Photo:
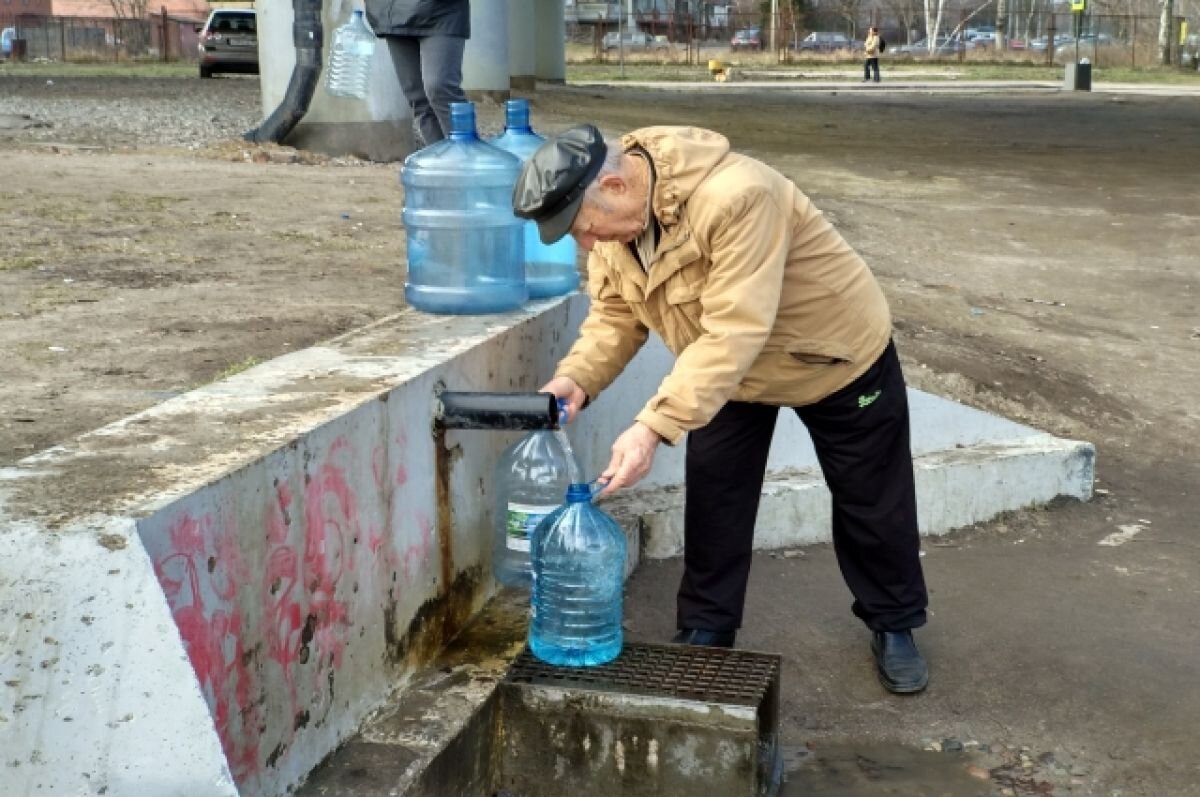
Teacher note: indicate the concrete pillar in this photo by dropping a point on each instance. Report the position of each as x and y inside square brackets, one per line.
[522, 53]
[485, 62]
[378, 127]
[551, 41]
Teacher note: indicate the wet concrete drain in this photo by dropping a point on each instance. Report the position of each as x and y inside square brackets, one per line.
[942, 769]
[849, 770]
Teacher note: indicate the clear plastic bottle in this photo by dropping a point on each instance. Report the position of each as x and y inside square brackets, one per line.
[350, 58]
[466, 253]
[549, 268]
[531, 478]
[578, 573]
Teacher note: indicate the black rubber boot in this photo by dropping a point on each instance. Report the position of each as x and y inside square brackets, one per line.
[902, 668]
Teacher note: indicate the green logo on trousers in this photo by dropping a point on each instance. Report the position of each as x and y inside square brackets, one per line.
[868, 400]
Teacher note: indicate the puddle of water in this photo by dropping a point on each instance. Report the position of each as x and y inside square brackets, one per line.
[874, 770]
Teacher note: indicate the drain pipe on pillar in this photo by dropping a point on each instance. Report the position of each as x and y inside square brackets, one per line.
[308, 38]
[577, 552]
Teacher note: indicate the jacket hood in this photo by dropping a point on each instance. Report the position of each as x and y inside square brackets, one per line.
[683, 157]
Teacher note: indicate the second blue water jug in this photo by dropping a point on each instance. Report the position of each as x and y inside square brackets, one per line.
[549, 268]
[466, 251]
[578, 562]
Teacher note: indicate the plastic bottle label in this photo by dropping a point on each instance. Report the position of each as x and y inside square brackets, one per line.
[522, 520]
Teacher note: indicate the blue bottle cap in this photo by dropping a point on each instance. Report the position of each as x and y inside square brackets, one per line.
[579, 493]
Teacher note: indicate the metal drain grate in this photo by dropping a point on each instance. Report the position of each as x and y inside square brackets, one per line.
[712, 675]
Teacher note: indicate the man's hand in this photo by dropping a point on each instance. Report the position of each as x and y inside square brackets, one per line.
[632, 456]
[564, 387]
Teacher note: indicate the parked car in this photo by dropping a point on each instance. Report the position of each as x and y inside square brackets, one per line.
[1090, 44]
[1189, 53]
[229, 42]
[6, 42]
[635, 40]
[747, 39]
[824, 42]
[944, 45]
[1042, 42]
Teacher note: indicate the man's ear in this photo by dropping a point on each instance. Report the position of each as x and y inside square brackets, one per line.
[614, 183]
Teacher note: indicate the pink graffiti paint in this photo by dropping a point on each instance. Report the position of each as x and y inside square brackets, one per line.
[415, 553]
[378, 466]
[331, 515]
[282, 611]
[204, 559]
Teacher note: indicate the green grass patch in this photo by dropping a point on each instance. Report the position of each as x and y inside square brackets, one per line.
[148, 69]
[236, 368]
[589, 72]
[19, 262]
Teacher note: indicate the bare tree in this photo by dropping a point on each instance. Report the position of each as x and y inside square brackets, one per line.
[849, 10]
[129, 9]
[130, 25]
[1165, 30]
[933, 21]
[906, 13]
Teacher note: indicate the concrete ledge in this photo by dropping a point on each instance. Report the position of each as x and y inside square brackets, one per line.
[955, 487]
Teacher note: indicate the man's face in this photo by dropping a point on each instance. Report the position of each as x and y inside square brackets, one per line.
[614, 213]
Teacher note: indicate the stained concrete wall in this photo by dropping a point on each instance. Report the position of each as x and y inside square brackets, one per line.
[218, 590]
[280, 532]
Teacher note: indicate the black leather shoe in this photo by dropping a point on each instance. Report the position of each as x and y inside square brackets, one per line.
[902, 668]
[706, 639]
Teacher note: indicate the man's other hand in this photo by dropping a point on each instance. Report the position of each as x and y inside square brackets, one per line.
[564, 387]
[632, 457]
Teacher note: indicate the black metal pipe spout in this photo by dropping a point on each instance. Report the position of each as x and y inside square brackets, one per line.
[496, 411]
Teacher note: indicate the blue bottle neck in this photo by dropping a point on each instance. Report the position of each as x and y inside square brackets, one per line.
[516, 116]
[462, 122]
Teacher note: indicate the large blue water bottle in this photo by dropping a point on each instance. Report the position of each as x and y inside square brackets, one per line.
[578, 563]
[465, 246]
[549, 268]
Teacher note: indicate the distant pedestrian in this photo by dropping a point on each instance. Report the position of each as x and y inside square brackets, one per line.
[873, 48]
[426, 39]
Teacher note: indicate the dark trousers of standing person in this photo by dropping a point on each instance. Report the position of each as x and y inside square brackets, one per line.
[871, 65]
[430, 72]
[861, 438]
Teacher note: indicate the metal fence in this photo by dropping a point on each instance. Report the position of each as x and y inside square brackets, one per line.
[82, 39]
[1045, 38]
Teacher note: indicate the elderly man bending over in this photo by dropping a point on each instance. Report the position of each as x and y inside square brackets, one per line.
[764, 306]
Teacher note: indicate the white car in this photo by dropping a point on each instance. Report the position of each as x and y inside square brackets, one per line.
[635, 40]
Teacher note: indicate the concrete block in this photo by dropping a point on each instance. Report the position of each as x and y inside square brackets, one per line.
[955, 487]
[99, 695]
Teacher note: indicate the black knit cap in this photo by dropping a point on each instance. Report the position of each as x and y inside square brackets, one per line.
[550, 188]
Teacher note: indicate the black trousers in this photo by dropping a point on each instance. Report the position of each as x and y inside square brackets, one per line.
[860, 435]
[868, 65]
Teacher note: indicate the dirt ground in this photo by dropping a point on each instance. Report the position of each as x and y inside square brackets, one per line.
[1042, 256]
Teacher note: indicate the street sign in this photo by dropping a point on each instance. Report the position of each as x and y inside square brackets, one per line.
[1078, 5]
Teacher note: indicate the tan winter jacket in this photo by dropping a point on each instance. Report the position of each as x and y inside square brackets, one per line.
[871, 46]
[759, 298]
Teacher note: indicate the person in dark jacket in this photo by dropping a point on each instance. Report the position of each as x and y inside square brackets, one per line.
[426, 39]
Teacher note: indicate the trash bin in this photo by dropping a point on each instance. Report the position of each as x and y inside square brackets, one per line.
[1079, 76]
[19, 49]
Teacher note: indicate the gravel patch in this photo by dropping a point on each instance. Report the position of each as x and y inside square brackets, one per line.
[145, 112]
[130, 112]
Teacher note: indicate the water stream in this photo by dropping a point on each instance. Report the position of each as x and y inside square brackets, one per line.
[573, 471]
